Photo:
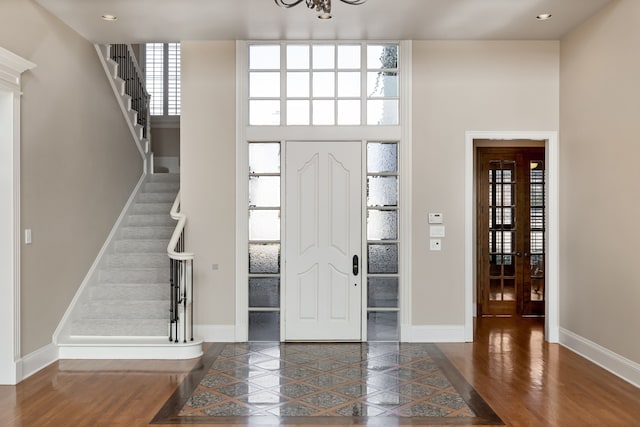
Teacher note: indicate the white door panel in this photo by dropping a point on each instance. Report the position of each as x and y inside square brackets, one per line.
[322, 234]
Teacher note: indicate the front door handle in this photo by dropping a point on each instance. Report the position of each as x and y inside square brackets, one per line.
[356, 265]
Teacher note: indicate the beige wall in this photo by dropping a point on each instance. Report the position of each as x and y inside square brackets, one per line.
[208, 158]
[165, 142]
[600, 205]
[79, 163]
[463, 86]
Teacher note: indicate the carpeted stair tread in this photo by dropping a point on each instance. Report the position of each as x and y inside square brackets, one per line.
[150, 220]
[156, 197]
[164, 177]
[141, 246]
[161, 187]
[131, 291]
[123, 309]
[138, 260]
[150, 232]
[134, 275]
[151, 208]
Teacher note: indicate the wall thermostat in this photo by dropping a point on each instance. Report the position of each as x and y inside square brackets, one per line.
[435, 218]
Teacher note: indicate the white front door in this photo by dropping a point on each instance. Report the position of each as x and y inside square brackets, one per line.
[323, 216]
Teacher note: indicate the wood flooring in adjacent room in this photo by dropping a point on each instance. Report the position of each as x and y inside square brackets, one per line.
[526, 381]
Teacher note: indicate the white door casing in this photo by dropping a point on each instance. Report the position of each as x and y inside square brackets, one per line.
[323, 233]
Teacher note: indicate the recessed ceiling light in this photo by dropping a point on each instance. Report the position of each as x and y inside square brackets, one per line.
[544, 16]
[108, 17]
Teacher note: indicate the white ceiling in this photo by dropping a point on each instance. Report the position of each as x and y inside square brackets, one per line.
[174, 20]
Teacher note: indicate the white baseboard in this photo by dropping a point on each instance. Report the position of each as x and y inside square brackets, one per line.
[158, 348]
[436, 333]
[36, 361]
[215, 333]
[618, 365]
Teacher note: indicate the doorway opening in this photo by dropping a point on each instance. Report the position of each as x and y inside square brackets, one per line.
[510, 230]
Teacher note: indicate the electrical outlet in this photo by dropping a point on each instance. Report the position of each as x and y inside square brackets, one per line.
[435, 244]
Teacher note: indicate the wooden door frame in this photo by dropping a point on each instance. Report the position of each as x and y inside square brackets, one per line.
[550, 139]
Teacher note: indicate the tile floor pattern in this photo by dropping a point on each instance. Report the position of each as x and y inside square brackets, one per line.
[266, 380]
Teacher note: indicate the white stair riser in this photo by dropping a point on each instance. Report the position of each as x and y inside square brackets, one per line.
[131, 292]
[138, 260]
[141, 246]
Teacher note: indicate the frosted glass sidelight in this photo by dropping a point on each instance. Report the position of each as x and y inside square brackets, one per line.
[264, 112]
[382, 191]
[383, 112]
[264, 326]
[298, 57]
[264, 292]
[382, 326]
[264, 85]
[382, 157]
[298, 85]
[348, 112]
[382, 258]
[382, 84]
[323, 57]
[264, 157]
[382, 56]
[264, 191]
[382, 225]
[348, 56]
[264, 258]
[264, 225]
[382, 292]
[264, 57]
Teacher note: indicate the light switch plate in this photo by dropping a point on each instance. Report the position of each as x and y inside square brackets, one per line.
[435, 218]
[435, 244]
[436, 231]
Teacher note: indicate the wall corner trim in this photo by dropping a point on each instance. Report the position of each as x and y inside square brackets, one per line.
[618, 365]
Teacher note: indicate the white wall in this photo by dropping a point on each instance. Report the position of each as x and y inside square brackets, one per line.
[600, 128]
[461, 86]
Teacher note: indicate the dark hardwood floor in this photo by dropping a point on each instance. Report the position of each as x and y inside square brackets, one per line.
[526, 381]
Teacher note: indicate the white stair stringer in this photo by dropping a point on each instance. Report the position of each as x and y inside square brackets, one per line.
[123, 311]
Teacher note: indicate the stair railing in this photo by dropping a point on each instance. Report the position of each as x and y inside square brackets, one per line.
[130, 72]
[181, 280]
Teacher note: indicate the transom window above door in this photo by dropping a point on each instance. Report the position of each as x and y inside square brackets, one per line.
[324, 84]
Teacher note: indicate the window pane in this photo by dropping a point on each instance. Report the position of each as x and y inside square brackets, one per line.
[264, 258]
[298, 57]
[264, 57]
[173, 79]
[382, 225]
[264, 191]
[154, 76]
[348, 112]
[382, 112]
[298, 85]
[264, 292]
[348, 56]
[382, 56]
[382, 258]
[298, 112]
[382, 157]
[264, 113]
[324, 85]
[264, 225]
[382, 84]
[382, 326]
[382, 191]
[264, 326]
[264, 157]
[323, 57]
[264, 85]
[349, 84]
[323, 112]
[382, 292]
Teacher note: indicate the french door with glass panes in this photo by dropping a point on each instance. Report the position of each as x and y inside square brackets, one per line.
[511, 231]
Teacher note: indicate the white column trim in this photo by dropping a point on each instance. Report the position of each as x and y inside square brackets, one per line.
[11, 68]
[552, 320]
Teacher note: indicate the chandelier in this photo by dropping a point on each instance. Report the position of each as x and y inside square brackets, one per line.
[323, 7]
